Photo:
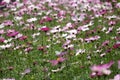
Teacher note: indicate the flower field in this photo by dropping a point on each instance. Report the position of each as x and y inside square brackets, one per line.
[60, 40]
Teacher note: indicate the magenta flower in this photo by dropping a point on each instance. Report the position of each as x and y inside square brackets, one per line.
[57, 61]
[2, 39]
[12, 33]
[45, 29]
[8, 23]
[102, 69]
[48, 19]
[23, 37]
[116, 45]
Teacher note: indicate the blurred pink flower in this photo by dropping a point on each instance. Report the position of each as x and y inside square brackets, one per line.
[2, 39]
[26, 71]
[118, 64]
[116, 45]
[102, 69]
[116, 77]
[57, 61]
[12, 33]
[45, 29]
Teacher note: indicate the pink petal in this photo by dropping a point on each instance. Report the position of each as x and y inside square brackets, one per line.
[54, 62]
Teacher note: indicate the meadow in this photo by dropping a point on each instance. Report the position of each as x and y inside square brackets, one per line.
[60, 40]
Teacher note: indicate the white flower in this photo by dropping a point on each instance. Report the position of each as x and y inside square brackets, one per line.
[9, 40]
[32, 19]
[72, 31]
[5, 46]
[18, 18]
[2, 26]
[80, 51]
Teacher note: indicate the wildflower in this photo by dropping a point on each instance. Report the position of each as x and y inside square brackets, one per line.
[57, 61]
[23, 37]
[12, 33]
[2, 39]
[116, 77]
[116, 45]
[102, 69]
[8, 79]
[45, 29]
[26, 71]
[32, 20]
[28, 49]
[118, 64]
[80, 51]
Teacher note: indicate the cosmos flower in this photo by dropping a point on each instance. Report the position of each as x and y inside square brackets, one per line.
[26, 71]
[116, 45]
[12, 33]
[80, 51]
[102, 69]
[32, 20]
[2, 39]
[45, 29]
[57, 61]
[118, 64]
[116, 77]
[9, 79]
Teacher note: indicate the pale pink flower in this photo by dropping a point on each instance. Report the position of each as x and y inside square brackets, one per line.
[102, 69]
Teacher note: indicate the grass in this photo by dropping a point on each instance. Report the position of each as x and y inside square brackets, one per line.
[14, 62]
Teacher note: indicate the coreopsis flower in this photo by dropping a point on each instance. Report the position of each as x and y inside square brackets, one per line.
[102, 69]
[57, 61]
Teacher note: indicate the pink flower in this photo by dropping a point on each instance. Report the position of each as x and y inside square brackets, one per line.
[28, 49]
[116, 45]
[45, 29]
[23, 37]
[26, 71]
[2, 31]
[102, 69]
[2, 39]
[48, 19]
[111, 23]
[12, 33]
[57, 61]
[118, 64]
[8, 23]
[116, 77]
